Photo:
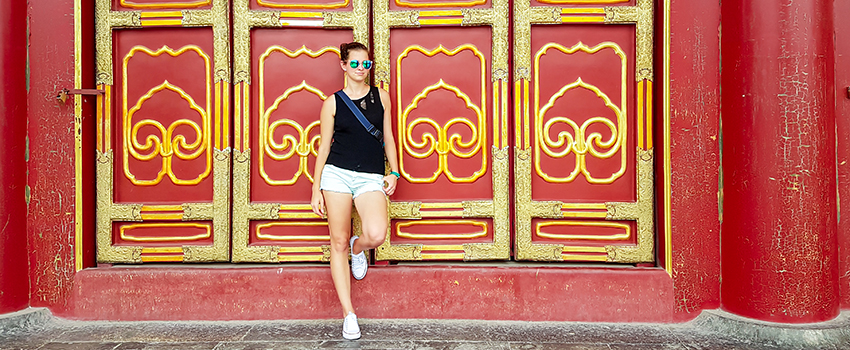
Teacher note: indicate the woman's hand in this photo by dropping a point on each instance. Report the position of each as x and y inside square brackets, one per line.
[318, 202]
[390, 181]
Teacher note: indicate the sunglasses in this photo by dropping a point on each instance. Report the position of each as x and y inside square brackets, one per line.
[367, 64]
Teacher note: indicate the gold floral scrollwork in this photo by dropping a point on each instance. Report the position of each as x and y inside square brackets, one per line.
[405, 210]
[399, 252]
[125, 19]
[326, 253]
[443, 144]
[301, 144]
[106, 211]
[621, 14]
[544, 15]
[579, 141]
[197, 18]
[244, 211]
[264, 19]
[197, 211]
[440, 142]
[526, 209]
[168, 144]
[333, 19]
[640, 211]
[644, 41]
[103, 42]
[473, 17]
[473, 209]
[546, 209]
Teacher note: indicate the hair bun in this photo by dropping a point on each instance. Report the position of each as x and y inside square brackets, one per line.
[346, 48]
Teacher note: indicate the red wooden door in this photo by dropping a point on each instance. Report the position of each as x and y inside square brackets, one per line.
[445, 64]
[583, 125]
[561, 118]
[286, 54]
[163, 163]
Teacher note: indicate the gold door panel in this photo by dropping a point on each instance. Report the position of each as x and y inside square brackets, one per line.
[445, 64]
[163, 159]
[583, 131]
[286, 56]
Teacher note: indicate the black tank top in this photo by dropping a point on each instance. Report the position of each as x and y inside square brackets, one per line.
[353, 147]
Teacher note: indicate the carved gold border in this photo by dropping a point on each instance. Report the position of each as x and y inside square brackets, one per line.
[78, 137]
[626, 229]
[640, 211]
[666, 166]
[122, 232]
[245, 211]
[218, 211]
[403, 3]
[330, 6]
[165, 5]
[581, 2]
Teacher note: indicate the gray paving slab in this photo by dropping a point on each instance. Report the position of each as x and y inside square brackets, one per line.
[37, 329]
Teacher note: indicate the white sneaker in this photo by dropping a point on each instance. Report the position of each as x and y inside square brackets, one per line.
[350, 328]
[358, 261]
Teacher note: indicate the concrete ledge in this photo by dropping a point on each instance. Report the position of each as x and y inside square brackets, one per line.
[833, 333]
[24, 320]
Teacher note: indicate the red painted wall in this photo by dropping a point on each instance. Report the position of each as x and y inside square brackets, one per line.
[695, 153]
[842, 112]
[50, 216]
[14, 291]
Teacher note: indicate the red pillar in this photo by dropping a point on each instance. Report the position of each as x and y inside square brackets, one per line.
[778, 239]
[14, 282]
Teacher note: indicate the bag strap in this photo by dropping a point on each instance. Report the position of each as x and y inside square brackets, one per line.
[360, 117]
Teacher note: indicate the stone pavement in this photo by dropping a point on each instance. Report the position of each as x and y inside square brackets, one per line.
[38, 329]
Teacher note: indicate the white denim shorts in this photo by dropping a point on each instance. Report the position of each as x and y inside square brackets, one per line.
[336, 179]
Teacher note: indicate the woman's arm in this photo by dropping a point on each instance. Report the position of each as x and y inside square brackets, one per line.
[326, 118]
[389, 143]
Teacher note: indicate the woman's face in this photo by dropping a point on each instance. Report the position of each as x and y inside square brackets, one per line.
[357, 74]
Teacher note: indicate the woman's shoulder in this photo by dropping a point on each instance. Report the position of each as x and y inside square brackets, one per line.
[330, 103]
[385, 96]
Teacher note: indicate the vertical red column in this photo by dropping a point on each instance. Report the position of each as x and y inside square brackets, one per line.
[778, 240]
[14, 282]
[842, 108]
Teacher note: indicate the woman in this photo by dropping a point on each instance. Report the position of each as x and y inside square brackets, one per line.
[350, 166]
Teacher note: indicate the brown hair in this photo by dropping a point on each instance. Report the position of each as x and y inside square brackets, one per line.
[345, 48]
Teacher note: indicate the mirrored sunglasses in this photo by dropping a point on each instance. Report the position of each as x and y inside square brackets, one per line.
[367, 64]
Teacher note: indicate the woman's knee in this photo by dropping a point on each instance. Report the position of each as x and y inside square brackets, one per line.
[339, 244]
[375, 235]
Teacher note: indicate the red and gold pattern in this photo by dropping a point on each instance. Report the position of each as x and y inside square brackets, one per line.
[163, 165]
[581, 127]
[283, 64]
[449, 93]
[583, 162]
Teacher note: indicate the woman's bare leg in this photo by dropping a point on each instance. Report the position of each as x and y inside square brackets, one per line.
[372, 207]
[339, 223]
